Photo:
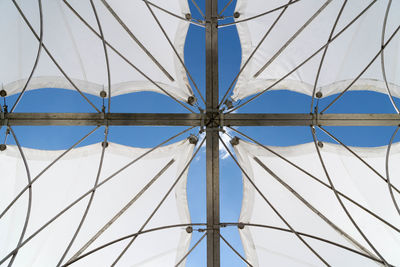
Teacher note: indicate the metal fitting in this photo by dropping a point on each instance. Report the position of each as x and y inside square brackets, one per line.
[3, 93]
[104, 144]
[189, 229]
[234, 141]
[3, 147]
[320, 144]
[240, 225]
[188, 16]
[236, 15]
[193, 139]
[318, 94]
[191, 100]
[103, 94]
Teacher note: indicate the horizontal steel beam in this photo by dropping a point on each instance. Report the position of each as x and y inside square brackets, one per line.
[188, 119]
[140, 119]
[298, 119]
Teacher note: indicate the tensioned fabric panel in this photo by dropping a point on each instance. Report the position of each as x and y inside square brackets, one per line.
[73, 176]
[317, 212]
[345, 58]
[80, 53]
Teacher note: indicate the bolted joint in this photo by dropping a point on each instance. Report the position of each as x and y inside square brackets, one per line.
[188, 16]
[3, 93]
[189, 229]
[104, 144]
[318, 94]
[103, 94]
[212, 119]
[240, 225]
[320, 144]
[3, 147]
[234, 141]
[193, 139]
[236, 15]
[192, 100]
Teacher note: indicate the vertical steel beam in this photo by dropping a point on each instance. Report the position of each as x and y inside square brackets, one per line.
[212, 131]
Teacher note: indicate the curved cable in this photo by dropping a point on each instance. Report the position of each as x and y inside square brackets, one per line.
[105, 55]
[387, 170]
[122, 211]
[254, 51]
[324, 54]
[175, 51]
[88, 192]
[357, 156]
[28, 211]
[104, 145]
[124, 58]
[44, 170]
[271, 206]
[309, 236]
[37, 57]
[319, 181]
[51, 56]
[259, 15]
[383, 58]
[306, 60]
[130, 236]
[159, 204]
[340, 200]
[363, 71]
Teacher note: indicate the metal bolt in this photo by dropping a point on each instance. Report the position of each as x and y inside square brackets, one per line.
[104, 144]
[320, 144]
[193, 139]
[192, 100]
[188, 16]
[318, 94]
[240, 225]
[189, 229]
[236, 15]
[103, 94]
[234, 141]
[3, 147]
[3, 93]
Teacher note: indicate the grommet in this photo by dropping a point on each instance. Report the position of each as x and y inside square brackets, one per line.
[318, 94]
[192, 100]
[240, 225]
[320, 144]
[189, 229]
[3, 93]
[188, 16]
[104, 144]
[103, 94]
[193, 139]
[236, 15]
[3, 147]
[234, 141]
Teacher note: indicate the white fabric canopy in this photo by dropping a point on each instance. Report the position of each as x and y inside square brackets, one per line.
[79, 52]
[274, 247]
[75, 175]
[345, 58]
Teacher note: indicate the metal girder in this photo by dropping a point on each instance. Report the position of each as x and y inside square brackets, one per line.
[212, 120]
[140, 119]
[212, 135]
[298, 119]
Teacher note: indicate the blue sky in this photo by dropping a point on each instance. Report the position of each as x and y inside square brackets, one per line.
[50, 100]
